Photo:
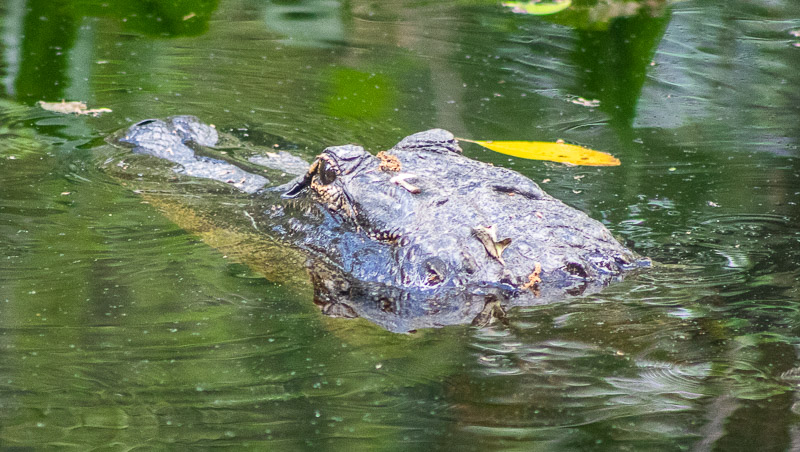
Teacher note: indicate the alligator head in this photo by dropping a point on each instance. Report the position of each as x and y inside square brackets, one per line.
[446, 223]
[415, 236]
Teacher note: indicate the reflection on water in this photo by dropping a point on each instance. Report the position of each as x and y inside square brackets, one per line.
[120, 329]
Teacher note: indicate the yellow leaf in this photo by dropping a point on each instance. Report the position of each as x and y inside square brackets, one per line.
[538, 8]
[555, 152]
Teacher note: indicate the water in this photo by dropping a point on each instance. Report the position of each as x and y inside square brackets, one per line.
[127, 324]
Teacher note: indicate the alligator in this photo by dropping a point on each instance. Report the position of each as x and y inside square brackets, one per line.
[416, 236]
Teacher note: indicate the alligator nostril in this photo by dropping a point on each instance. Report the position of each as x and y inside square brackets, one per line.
[145, 122]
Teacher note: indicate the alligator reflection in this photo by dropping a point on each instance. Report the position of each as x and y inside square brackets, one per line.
[402, 310]
[419, 236]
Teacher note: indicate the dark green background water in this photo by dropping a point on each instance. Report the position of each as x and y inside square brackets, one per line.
[119, 330]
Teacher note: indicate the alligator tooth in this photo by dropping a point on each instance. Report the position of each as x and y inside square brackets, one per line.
[488, 237]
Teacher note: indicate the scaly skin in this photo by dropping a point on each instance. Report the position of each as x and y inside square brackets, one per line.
[420, 236]
[168, 140]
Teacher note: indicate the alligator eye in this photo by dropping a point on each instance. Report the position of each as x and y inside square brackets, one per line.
[326, 173]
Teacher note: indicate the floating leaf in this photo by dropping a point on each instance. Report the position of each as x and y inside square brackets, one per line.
[555, 152]
[538, 8]
[72, 107]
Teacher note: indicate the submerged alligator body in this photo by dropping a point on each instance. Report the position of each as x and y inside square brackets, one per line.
[417, 236]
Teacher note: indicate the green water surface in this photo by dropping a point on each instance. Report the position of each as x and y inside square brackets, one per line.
[120, 330]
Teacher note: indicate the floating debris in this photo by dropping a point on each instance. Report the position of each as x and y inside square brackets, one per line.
[585, 102]
[74, 107]
[389, 162]
[400, 180]
[534, 279]
[538, 8]
[488, 237]
[556, 152]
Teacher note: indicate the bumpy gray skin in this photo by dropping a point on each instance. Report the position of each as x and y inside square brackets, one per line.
[408, 254]
[168, 140]
[457, 194]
